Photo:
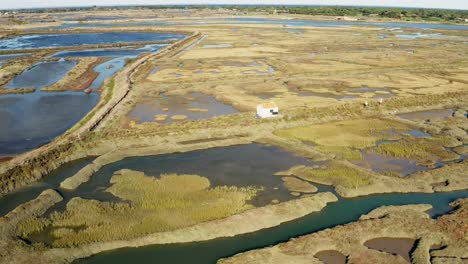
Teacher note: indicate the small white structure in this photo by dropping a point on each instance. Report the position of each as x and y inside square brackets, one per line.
[267, 110]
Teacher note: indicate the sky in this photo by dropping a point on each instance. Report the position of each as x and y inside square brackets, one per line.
[449, 4]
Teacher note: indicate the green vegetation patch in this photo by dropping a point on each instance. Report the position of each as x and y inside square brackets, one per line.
[341, 152]
[346, 138]
[423, 150]
[151, 205]
[333, 173]
[296, 185]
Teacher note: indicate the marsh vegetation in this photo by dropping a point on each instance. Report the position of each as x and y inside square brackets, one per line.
[149, 205]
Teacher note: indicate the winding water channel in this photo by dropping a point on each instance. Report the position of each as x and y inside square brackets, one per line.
[242, 165]
[208, 252]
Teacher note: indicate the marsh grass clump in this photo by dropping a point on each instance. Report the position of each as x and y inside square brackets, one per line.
[297, 185]
[150, 205]
[422, 149]
[359, 134]
[341, 152]
[333, 173]
[346, 138]
[31, 225]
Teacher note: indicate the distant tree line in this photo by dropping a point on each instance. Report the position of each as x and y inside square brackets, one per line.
[396, 13]
[407, 14]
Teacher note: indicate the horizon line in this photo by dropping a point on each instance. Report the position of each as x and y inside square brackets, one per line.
[169, 5]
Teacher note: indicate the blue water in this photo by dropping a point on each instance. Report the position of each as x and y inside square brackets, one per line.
[67, 40]
[42, 74]
[31, 120]
[12, 56]
[236, 165]
[86, 25]
[208, 252]
[115, 52]
[418, 133]
[5, 58]
[313, 23]
[108, 69]
[111, 67]
[418, 35]
[229, 166]
[269, 21]
[91, 18]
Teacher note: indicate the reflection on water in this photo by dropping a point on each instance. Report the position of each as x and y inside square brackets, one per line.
[42, 74]
[270, 21]
[208, 252]
[108, 69]
[382, 163]
[68, 40]
[195, 106]
[397, 246]
[331, 257]
[115, 52]
[418, 35]
[32, 120]
[422, 115]
[243, 165]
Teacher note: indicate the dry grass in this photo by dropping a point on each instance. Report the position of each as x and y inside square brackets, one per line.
[297, 185]
[345, 139]
[178, 117]
[359, 134]
[153, 205]
[341, 152]
[423, 150]
[333, 173]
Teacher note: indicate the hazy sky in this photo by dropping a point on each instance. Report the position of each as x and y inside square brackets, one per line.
[452, 4]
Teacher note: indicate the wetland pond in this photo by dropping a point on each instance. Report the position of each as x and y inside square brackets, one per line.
[118, 59]
[269, 21]
[78, 39]
[193, 106]
[42, 74]
[429, 114]
[208, 252]
[241, 165]
[32, 120]
[5, 58]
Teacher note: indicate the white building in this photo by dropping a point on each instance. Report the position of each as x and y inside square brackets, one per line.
[267, 110]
